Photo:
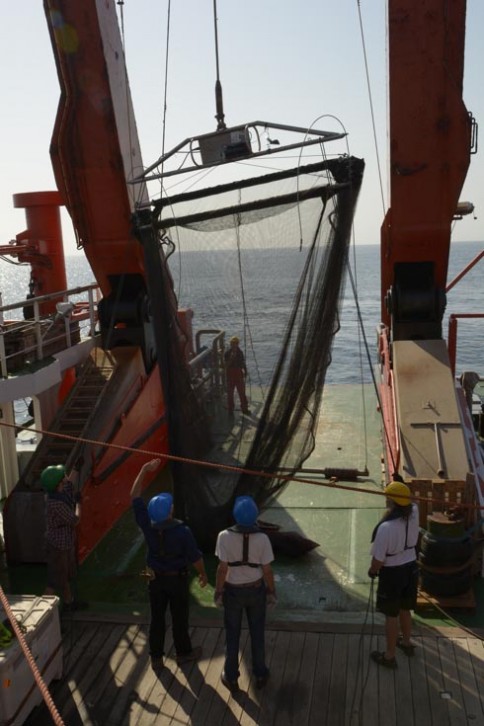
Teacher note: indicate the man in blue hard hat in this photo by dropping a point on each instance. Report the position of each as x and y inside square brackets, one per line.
[244, 582]
[171, 549]
[63, 513]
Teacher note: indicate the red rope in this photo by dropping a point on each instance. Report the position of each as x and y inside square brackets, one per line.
[228, 467]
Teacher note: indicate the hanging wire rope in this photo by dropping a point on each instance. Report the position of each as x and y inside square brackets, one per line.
[372, 108]
[126, 86]
[368, 354]
[165, 91]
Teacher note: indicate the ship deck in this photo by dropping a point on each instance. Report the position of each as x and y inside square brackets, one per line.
[318, 675]
[320, 669]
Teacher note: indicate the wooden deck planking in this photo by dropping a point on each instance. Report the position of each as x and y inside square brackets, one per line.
[307, 676]
[367, 706]
[318, 678]
[354, 678]
[337, 684]
[469, 685]
[420, 701]
[290, 699]
[452, 684]
[274, 690]
[476, 653]
[322, 674]
[404, 691]
[435, 680]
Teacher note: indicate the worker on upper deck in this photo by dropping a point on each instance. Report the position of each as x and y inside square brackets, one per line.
[394, 560]
[236, 372]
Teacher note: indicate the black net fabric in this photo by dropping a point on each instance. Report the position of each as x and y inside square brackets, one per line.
[304, 215]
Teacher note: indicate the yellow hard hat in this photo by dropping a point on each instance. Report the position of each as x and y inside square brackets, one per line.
[235, 339]
[398, 493]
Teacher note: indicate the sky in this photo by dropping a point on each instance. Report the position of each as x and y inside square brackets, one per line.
[286, 61]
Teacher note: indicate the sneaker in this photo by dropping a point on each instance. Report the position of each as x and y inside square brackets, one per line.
[194, 654]
[156, 663]
[379, 658]
[233, 686]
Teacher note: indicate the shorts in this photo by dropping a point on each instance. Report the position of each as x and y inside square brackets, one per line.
[397, 589]
[61, 566]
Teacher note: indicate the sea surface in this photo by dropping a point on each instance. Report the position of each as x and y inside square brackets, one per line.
[251, 295]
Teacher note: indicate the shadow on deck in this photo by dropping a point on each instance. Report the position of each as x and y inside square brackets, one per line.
[320, 674]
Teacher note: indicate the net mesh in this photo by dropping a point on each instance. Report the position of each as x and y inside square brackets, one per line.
[231, 242]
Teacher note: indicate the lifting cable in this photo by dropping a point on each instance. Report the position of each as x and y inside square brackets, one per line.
[361, 343]
[382, 196]
[165, 92]
[127, 93]
[360, 329]
[372, 373]
[372, 110]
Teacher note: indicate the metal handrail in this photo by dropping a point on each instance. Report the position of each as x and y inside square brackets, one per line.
[37, 336]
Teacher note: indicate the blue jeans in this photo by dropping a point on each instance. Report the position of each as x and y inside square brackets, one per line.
[172, 591]
[253, 601]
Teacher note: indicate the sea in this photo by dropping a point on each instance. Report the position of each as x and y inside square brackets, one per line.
[251, 295]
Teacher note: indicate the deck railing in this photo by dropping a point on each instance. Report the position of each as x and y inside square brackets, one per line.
[27, 337]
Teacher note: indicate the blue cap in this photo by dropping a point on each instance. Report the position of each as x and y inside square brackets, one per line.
[159, 507]
[245, 511]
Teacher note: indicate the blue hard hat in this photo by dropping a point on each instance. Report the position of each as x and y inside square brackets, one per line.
[159, 508]
[245, 511]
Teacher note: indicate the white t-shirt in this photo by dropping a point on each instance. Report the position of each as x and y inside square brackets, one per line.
[229, 548]
[390, 540]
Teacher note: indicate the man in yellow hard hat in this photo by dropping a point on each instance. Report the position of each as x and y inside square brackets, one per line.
[394, 560]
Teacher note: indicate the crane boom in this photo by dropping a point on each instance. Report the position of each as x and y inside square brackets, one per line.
[430, 146]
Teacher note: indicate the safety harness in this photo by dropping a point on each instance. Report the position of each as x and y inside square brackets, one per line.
[396, 513]
[245, 532]
[161, 528]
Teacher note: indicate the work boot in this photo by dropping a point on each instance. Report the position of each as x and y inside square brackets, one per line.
[233, 686]
[157, 663]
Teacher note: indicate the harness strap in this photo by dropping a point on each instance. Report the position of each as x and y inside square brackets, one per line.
[245, 553]
[407, 546]
[161, 529]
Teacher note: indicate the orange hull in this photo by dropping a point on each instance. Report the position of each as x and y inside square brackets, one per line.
[106, 496]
